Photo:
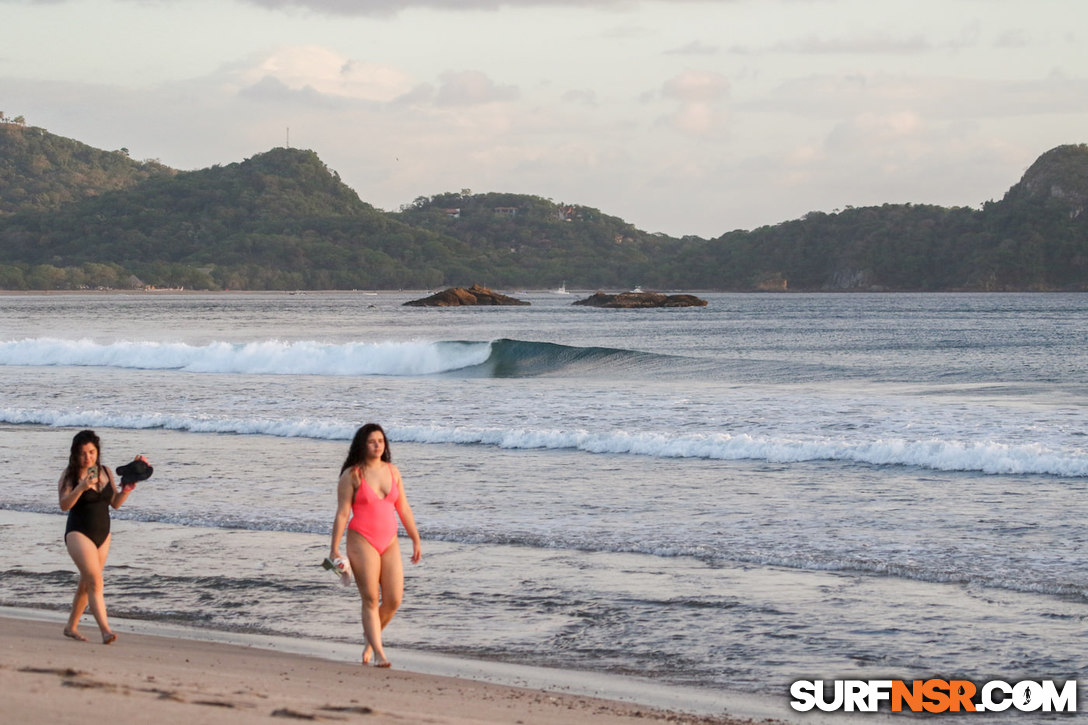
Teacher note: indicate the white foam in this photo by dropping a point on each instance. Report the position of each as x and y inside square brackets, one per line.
[985, 456]
[199, 424]
[269, 357]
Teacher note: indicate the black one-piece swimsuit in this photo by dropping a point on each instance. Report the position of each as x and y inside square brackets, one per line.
[90, 515]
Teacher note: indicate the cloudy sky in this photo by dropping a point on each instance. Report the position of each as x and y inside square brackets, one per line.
[681, 116]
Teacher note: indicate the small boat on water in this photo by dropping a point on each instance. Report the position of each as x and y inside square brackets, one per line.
[561, 290]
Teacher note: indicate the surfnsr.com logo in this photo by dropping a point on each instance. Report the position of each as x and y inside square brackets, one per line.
[934, 696]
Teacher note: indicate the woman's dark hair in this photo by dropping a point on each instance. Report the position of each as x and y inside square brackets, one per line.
[81, 439]
[357, 451]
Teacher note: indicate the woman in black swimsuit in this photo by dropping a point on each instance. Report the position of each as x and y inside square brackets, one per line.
[87, 490]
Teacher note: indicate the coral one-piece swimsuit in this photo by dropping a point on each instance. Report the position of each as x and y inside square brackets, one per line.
[375, 517]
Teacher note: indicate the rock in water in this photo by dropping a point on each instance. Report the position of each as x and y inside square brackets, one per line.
[459, 296]
[637, 300]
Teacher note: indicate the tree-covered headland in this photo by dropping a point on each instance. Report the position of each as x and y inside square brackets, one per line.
[76, 217]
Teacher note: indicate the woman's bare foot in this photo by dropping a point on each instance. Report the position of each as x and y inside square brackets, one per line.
[72, 634]
[368, 658]
[108, 638]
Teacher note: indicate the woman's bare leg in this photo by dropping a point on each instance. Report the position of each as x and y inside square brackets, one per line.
[90, 561]
[392, 583]
[366, 565]
[79, 605]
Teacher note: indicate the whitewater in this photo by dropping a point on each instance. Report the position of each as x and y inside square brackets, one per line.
[731, 497]
[271, 357]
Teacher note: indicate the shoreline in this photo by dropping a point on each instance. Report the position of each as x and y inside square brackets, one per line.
[177, 674]
[309, 640]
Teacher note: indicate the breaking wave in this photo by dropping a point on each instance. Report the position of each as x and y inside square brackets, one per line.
[984, 456]
[497, 358]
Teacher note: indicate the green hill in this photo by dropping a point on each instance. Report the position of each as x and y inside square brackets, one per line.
[40, 171]
[1035, 239]
[529, 241]
[280, 220]
[72, 216]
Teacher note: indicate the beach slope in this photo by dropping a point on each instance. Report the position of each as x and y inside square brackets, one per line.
[168, 681]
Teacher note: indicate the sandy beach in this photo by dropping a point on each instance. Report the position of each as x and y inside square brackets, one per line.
[168, 680]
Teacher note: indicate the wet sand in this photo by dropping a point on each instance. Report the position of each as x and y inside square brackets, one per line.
[168, 680]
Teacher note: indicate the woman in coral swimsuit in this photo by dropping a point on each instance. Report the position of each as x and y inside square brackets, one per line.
[87, 490]
[371, 493]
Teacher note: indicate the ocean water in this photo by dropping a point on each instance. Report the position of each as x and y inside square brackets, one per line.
[770, 488]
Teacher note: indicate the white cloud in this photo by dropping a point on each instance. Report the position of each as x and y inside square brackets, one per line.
[876, 128]
[839, 96]
[874, 44]
[392, 7]
[323, 72]
[1015, 38]
[695, 47]
[586, 97]
[696, 87]
[469, 88]
[698, 119]
[701, 96]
